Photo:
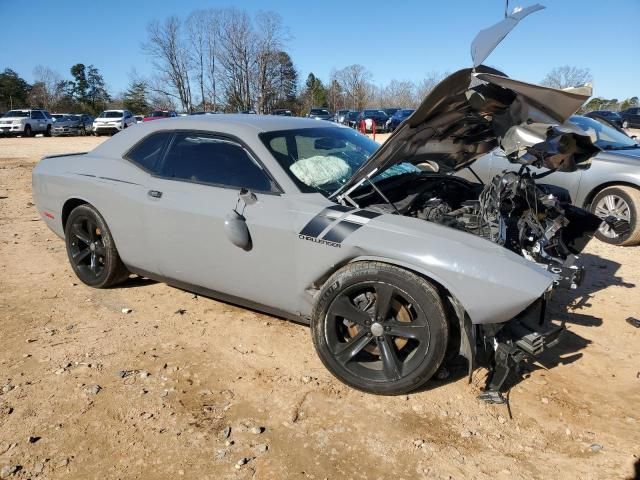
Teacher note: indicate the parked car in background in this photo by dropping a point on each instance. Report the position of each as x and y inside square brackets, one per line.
[389, 112]
[248, 112]
[351, 119]
[58, 116]
[398, 117]
[139, 118]
[283, 112]
[610, 188]
[112, 121]
[320, 114]
[26, 123]
[158, 115]
[370, 116]
[73, 124]
[340, 115]
[612, 118]
[631, 117]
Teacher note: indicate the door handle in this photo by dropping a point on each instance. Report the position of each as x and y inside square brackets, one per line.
[154, 193]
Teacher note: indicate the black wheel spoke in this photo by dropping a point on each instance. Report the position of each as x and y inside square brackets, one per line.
[92, 230]
[80, 234]
[390, 362]
[406, 330]
[343, 307]
[353, 347]
[79, 256]
[100, 250]
[384, 295]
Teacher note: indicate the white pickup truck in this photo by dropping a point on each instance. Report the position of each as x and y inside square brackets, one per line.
[26, 123]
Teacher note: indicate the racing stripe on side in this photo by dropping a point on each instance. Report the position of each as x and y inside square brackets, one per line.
[349, 224]
[322, 220]
[341, 231]
[367, 214]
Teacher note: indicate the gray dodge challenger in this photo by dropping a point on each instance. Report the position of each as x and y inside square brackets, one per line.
[394, 261]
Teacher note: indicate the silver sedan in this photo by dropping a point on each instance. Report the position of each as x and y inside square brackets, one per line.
[610, 188]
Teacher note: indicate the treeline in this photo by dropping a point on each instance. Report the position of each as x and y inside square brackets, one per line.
[227, 60]
[83, 91]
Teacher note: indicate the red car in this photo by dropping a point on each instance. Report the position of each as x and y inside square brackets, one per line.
[158, 114]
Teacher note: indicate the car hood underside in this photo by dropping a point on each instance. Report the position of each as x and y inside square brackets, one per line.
[473, 111]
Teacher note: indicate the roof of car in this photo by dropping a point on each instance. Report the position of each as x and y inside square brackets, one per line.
[243, 126]
[261, 123]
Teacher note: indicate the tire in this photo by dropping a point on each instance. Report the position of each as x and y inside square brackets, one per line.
[388, 353]
[27, 131]
[91, 250]
[622, 202]
[47, 132]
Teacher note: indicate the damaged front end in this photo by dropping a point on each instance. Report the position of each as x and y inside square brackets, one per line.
[467, 115]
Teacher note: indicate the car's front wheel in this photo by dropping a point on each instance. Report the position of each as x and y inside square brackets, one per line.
[91, 249]
[623, 204]
[379, 328]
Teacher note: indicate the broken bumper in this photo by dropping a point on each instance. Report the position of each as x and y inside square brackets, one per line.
[569, 275]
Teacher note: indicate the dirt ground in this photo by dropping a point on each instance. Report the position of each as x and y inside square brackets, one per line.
[87, 391]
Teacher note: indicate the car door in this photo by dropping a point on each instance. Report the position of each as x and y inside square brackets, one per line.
[39, 122]
[198, 187]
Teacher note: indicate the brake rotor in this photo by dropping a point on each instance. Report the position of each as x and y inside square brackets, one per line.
[400, 313]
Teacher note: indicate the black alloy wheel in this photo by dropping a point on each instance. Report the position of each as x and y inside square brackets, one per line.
[380, 328]
[91, 250]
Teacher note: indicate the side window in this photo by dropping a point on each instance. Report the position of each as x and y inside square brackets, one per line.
[148, 152]
[47, 114]
[208, 159]
[37, 114]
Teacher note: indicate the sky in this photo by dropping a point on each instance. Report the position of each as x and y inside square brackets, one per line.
[401, 39]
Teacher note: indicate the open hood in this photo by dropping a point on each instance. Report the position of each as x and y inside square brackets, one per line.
[475, 110]
[488, 39]
[471, 112]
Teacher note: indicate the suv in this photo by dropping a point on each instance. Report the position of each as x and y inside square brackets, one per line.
[26, 123]
[112, 121]
[631, 117]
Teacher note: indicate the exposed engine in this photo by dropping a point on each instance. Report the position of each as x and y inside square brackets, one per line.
[514, 212]
[535, 221]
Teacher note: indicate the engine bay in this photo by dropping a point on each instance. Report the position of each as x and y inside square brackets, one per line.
[535, 221]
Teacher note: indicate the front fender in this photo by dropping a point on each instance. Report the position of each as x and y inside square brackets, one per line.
[492, 283]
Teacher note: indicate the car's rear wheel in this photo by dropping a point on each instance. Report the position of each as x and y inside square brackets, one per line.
[27, 131]
[47, 132]
[91, 249]
[623, 204]
[379, 328]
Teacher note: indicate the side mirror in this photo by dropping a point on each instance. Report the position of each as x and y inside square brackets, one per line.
[235, 227]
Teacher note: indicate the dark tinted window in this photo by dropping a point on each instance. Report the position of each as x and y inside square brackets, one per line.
[148, 153]
[208, 159]
[37, 114]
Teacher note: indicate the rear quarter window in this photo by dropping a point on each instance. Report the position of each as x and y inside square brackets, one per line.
[148, 152]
